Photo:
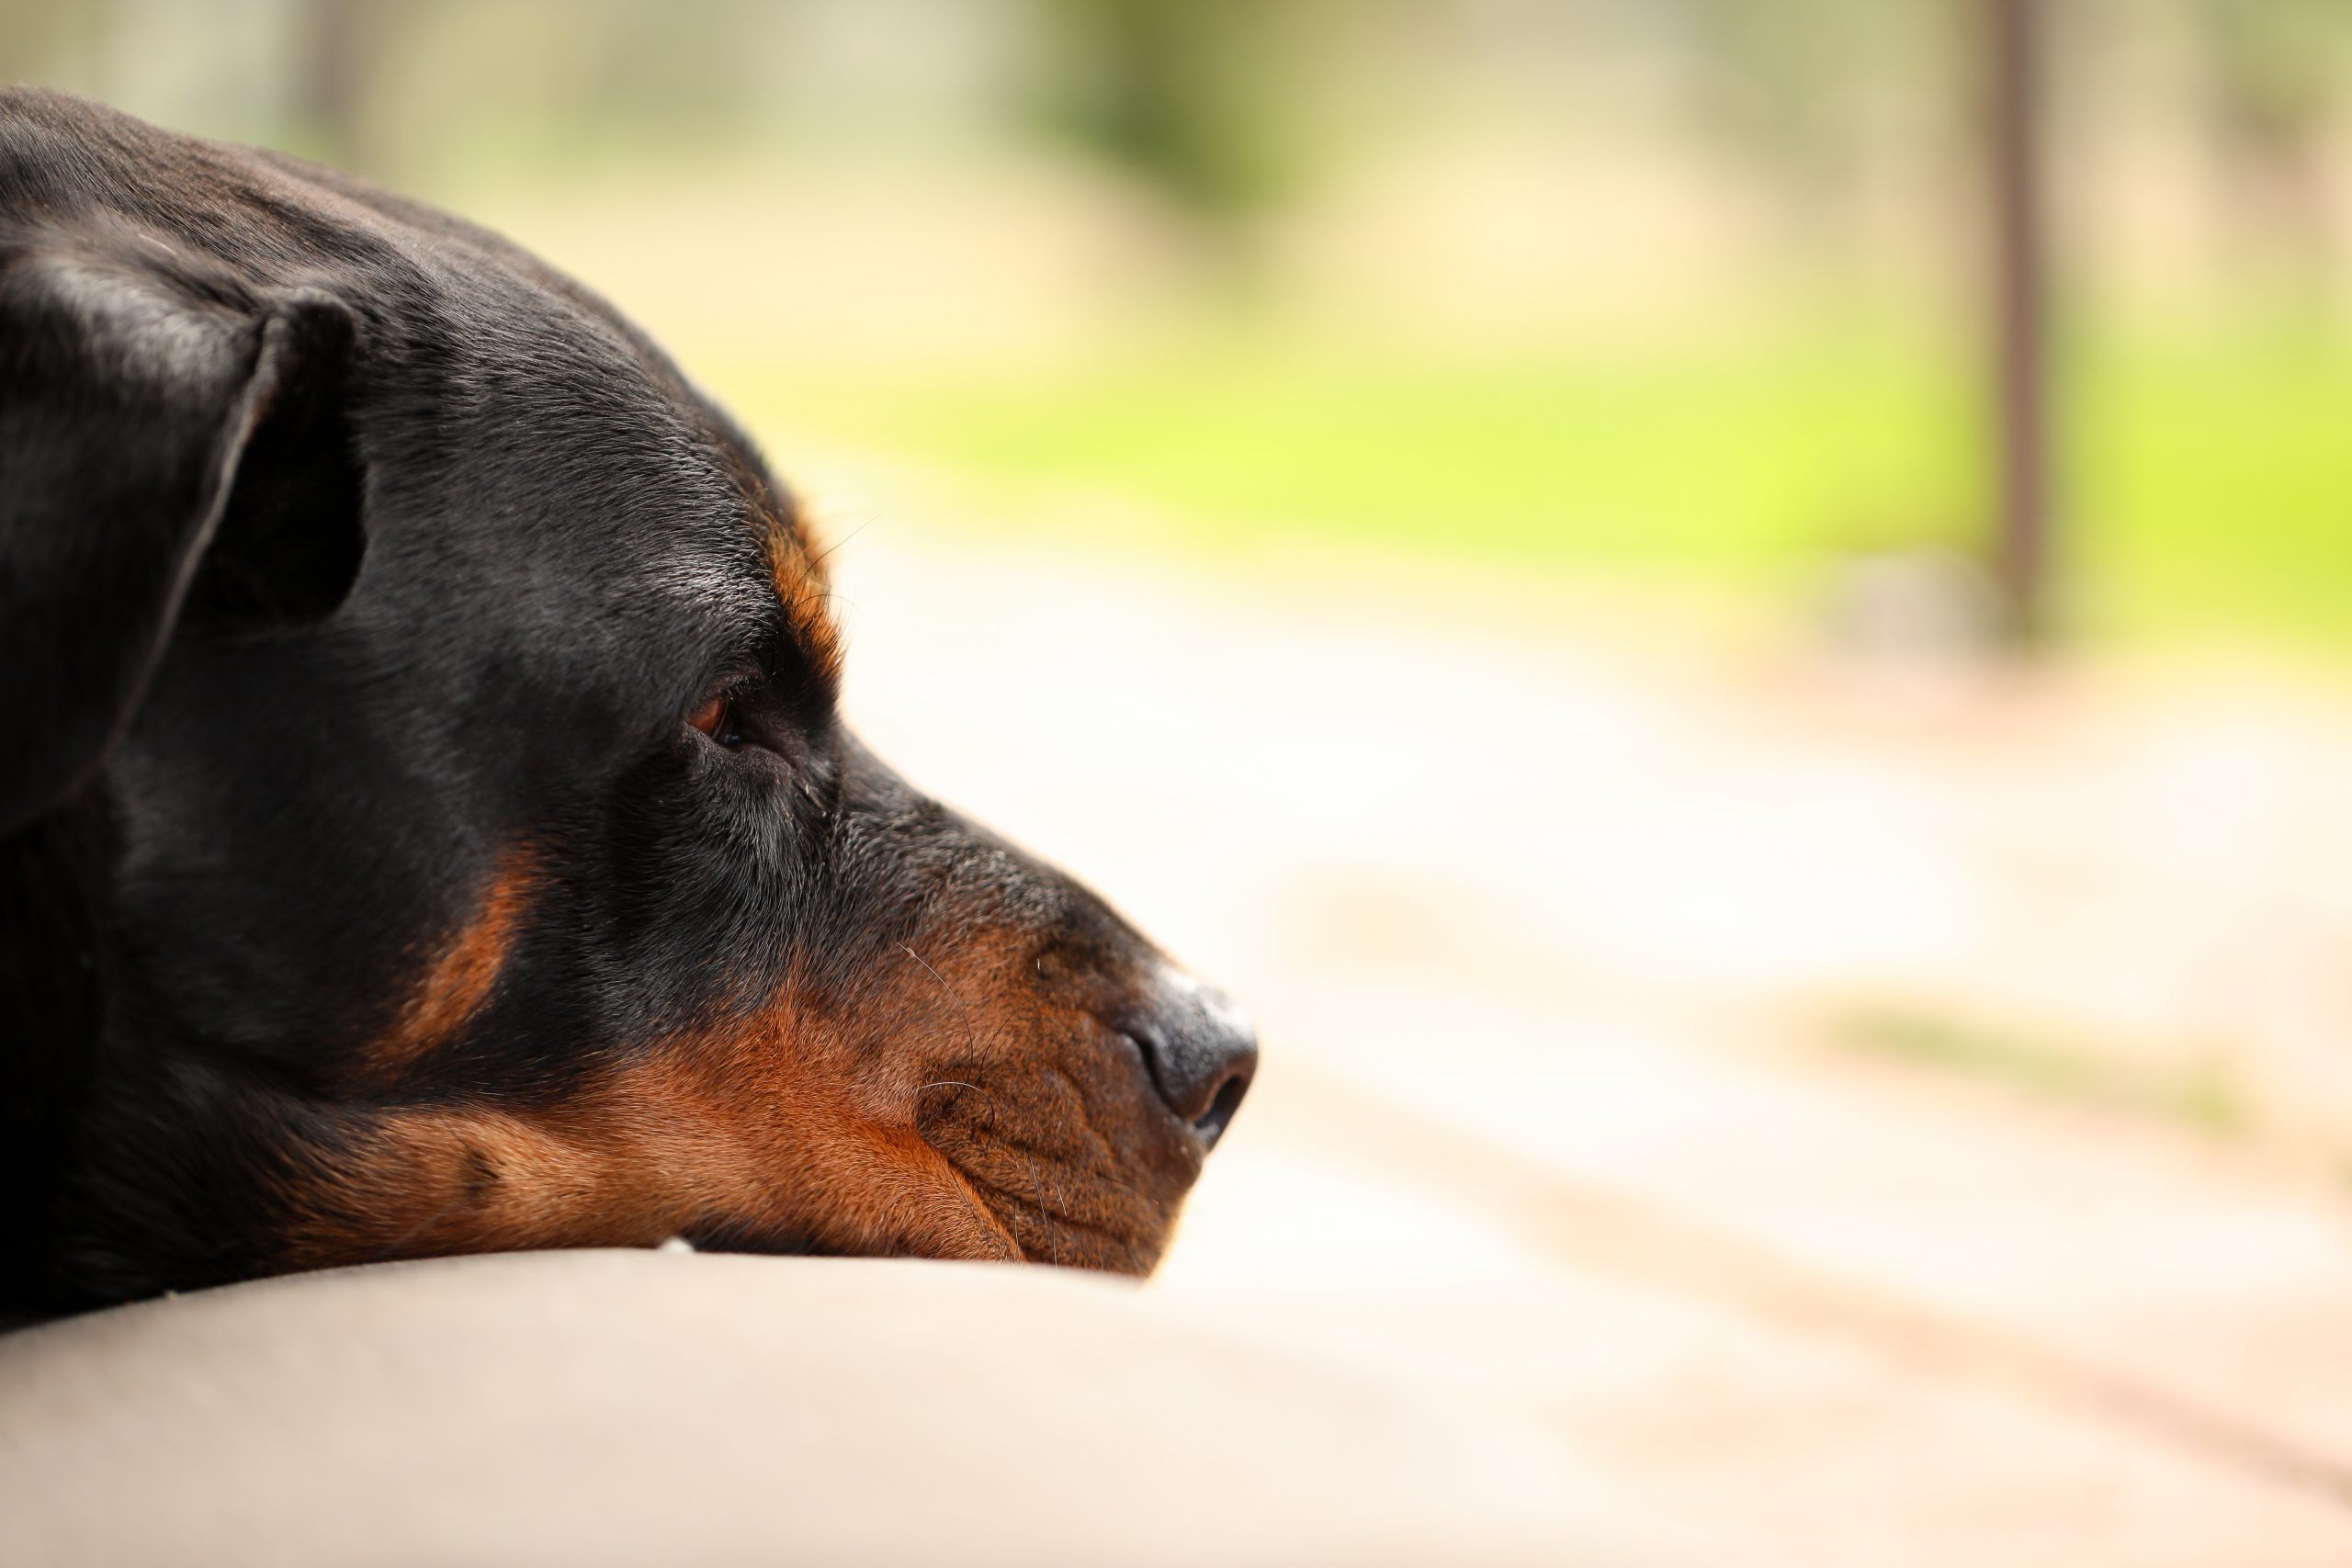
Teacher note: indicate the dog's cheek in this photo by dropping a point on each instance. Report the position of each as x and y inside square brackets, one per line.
[705, 1137]
[455, 979]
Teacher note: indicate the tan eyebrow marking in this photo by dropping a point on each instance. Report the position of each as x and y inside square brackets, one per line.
[795, 564]
[800, 585]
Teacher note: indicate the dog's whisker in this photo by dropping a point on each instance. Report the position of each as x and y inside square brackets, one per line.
[1038, 1194]
[818, 559]
[963, 1012]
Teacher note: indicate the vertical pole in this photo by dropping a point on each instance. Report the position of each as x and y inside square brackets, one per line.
[2022, 550]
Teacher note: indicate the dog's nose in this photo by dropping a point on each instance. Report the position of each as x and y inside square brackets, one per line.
[1201, 1047]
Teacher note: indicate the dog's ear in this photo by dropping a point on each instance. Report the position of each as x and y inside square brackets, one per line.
[170, 450]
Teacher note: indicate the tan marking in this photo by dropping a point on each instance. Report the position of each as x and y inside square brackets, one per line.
[795, 564]
[958, 1114]
[746, 1131]
[461, 977]
[800, 583]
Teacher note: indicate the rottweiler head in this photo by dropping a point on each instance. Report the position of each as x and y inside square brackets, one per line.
[425, 823]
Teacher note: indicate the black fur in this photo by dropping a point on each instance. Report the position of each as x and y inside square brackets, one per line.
[345, 548]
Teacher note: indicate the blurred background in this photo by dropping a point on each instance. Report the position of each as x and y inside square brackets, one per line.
[1733, 618]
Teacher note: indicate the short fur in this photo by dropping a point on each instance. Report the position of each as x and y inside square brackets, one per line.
[378, 874]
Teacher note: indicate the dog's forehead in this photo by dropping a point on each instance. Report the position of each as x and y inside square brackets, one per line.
[791, 561]
[739, 556]
[548, 469]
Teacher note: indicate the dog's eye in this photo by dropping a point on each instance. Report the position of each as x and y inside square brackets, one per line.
[716, 719]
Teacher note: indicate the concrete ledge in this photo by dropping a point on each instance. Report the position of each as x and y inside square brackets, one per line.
[633, 1407]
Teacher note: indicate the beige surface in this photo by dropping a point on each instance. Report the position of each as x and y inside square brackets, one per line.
[619, 1407]
[1541, 924]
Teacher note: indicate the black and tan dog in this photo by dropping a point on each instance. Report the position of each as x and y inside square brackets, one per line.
[424, 822]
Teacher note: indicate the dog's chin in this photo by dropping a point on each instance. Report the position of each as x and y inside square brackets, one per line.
[1045, 1232]
[1042, 1232]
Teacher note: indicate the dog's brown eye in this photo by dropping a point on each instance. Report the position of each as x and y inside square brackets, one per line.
[716, 719]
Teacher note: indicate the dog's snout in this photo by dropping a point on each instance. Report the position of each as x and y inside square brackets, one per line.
[1201, 1049]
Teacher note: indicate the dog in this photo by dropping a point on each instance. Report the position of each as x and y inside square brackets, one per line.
[425, 822]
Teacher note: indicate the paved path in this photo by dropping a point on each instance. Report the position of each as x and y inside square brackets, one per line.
[1545, 934]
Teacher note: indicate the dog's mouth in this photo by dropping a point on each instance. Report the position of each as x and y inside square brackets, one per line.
[1041, 1170]
[1071, 1182]
[729, 1235]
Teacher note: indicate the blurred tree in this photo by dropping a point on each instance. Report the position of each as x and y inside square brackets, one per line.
[1200, 96]
[2015, 71]
[2280, 73]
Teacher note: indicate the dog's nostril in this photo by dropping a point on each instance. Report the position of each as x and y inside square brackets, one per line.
[1201, 1049]
[1228, 1100]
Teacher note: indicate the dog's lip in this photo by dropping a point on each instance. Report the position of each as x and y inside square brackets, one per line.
[724, 1235]
[1190, 1140]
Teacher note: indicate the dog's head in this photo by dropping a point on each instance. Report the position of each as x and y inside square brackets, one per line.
[427, 823]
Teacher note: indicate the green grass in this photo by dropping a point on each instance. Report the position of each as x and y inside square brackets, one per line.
[2214, 482]
[2201, 1097]
[2209, 483]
